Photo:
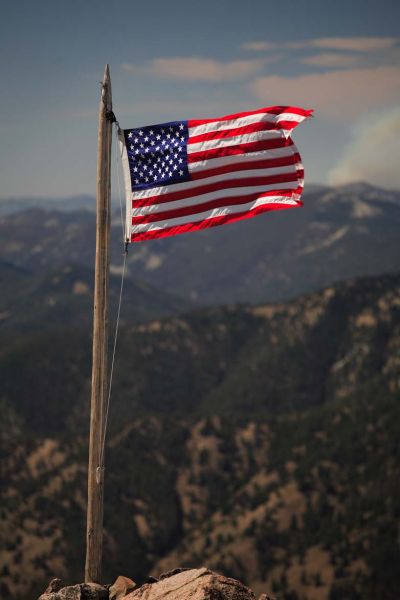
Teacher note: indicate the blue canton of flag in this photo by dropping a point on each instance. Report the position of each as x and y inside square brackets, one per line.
[157, 155]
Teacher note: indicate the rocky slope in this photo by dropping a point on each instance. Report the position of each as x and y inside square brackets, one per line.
[260, 441]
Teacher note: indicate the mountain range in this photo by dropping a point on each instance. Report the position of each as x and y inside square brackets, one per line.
[250, 432]
[339, 234]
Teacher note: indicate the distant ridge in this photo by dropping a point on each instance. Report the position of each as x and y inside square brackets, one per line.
[340, 233]
[9, 206]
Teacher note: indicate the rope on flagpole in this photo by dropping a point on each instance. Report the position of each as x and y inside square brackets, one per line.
[112, 363]
[125, 254]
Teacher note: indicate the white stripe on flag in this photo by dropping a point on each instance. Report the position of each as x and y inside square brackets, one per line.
[242, 158]
[231, 193]
[256, 136]
[231, 176]
[214, 213]
[242, 121]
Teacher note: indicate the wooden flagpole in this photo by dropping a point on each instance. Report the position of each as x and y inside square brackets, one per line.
[94, 531]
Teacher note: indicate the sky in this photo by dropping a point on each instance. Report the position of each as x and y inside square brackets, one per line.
[176, 60]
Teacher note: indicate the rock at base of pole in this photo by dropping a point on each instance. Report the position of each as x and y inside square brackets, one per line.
[179, 584]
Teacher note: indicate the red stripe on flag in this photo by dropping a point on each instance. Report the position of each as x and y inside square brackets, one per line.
[245, 129]
[205, 224]
[239, 149]
[274, 110]
[217, 185]
[210, 205]
[268, 163]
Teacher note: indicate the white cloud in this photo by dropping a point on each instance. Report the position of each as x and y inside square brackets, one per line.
[354, 44]
[373, 154]
[258, 46]
[198, 69]
[331, 59]
[337, 94]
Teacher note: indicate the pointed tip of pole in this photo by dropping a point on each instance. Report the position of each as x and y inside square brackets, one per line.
[106, 76]
[106, 88]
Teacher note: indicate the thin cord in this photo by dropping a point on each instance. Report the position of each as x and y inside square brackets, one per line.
[101, 463]
[101, 466]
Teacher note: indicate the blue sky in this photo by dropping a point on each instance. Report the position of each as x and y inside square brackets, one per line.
[176, 60]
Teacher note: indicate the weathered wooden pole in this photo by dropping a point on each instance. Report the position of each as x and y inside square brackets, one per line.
[94, 532]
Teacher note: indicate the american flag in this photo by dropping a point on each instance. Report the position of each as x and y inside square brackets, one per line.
[188, 175]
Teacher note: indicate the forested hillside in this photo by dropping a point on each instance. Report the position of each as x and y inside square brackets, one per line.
[261, 441]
